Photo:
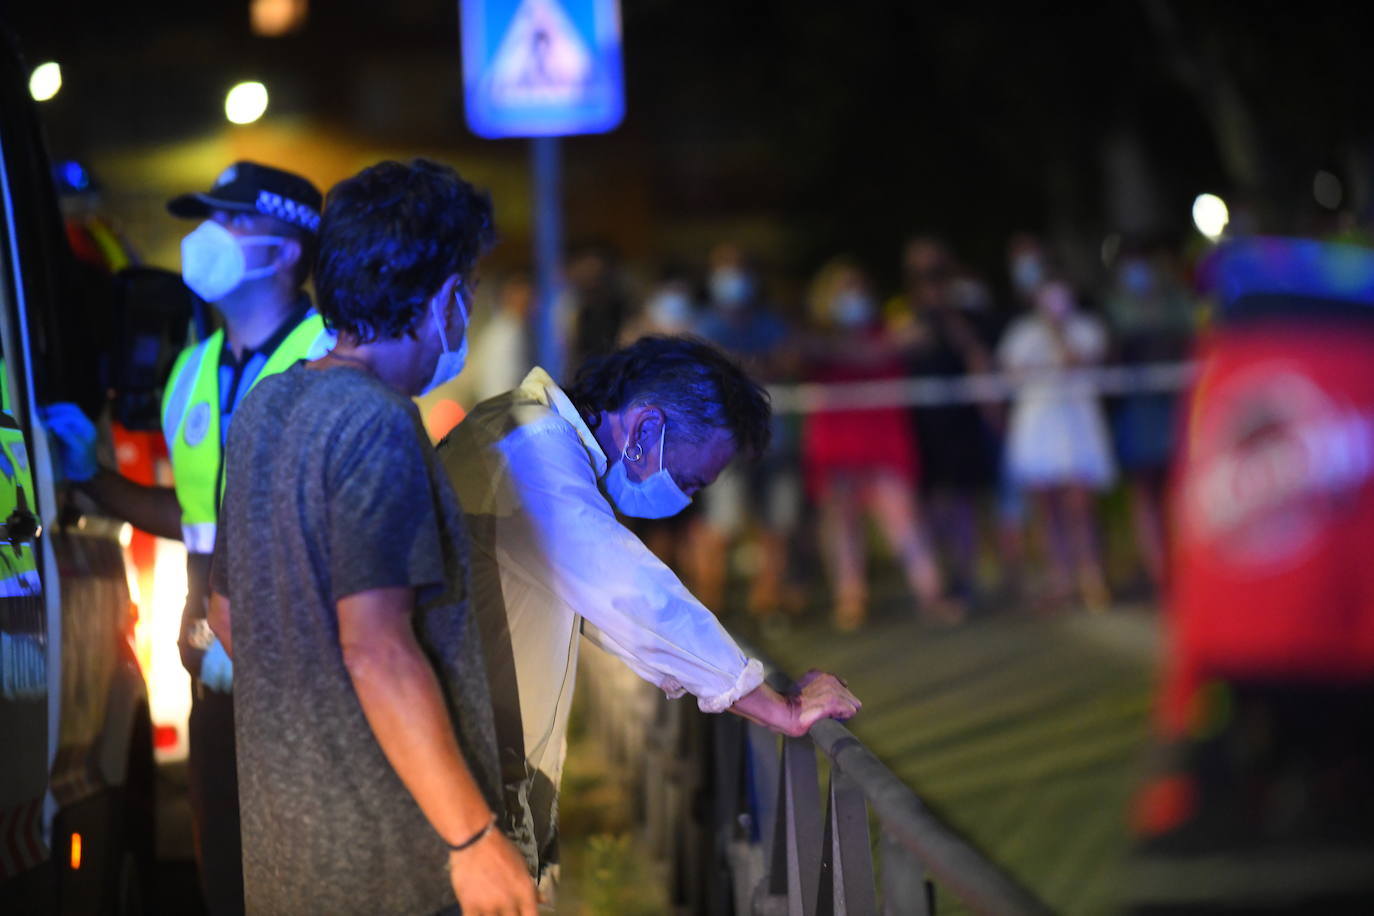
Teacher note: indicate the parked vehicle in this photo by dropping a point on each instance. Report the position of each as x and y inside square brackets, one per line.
[76, 769]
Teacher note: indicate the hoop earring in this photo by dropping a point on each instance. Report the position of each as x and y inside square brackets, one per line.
[638, 452]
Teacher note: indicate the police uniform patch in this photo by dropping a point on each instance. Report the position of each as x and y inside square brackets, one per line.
[197, 424]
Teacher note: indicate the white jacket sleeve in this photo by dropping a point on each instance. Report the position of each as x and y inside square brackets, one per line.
[563, 536]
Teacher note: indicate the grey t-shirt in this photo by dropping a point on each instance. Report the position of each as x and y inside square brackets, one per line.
[331, 489]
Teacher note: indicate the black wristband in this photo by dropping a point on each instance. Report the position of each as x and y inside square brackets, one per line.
[472, 840]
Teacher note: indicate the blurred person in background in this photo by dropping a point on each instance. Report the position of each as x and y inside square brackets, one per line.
[763, 499]
[501, 352]
[139, 454]
[958, 450]
[1028, 268]
[862, 463]
[94, 239]
[594, 305]
[542, 474]
[1057, 444]
[668, 309]
[1152, 319]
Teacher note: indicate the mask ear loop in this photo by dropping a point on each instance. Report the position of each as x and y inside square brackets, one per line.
[662, 433]
[253, 273]
[438, 325]
[462, 310]
[462, 306]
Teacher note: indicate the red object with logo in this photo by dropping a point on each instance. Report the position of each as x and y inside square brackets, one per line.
[1273, 572]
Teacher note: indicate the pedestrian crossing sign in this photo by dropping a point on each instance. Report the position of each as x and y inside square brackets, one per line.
[541, 68]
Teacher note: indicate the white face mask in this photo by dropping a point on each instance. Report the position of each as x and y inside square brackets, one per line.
[450, 361]
[213, 263]
[656, 496]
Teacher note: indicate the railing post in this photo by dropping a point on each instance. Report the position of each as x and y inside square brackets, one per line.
[765, 773]
[749, 815]
[846, 885]
[696, 831]
[678, 827]
[794, 873]
[724, 805]
[904, 881]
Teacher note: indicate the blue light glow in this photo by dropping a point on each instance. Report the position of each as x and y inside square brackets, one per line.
[75, 176]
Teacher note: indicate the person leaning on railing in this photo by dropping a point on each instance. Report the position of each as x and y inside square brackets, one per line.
[541, 474]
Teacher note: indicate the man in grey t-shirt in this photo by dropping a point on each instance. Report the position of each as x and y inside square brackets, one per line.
[366, 747]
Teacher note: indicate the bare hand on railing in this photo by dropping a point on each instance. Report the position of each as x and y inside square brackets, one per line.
[816, 695]
[821, 695]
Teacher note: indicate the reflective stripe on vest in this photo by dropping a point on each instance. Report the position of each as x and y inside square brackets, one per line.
[191, 421]
[199, 538]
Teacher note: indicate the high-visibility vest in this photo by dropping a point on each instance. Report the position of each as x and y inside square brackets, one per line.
[23, 669]
[191, 421]
[18, 565]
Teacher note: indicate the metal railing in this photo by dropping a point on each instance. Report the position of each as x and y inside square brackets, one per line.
[736, 813]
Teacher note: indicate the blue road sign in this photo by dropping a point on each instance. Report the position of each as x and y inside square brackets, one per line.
[542, 68]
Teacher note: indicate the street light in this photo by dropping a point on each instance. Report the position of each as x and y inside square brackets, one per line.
[1210, 215]
[246, 102]
[45, 81]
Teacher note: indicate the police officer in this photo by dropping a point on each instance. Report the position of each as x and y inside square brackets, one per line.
[249, 257]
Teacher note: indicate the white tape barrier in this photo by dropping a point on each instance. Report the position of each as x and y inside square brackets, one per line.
[936, 391]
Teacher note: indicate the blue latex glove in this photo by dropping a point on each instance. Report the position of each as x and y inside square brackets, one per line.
[75, 436]
[217, 668]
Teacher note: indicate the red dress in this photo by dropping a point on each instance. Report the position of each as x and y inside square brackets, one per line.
[854, 441]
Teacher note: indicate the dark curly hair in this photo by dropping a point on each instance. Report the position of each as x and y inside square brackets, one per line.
[389, 237]
[697, 386]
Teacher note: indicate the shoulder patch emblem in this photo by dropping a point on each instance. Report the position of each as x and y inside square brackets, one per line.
[197, 424]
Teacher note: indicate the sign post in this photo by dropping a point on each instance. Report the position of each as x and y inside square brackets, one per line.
[550, 348]
[543, 69]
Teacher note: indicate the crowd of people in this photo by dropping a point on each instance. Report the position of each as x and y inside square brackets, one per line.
[1004, 470]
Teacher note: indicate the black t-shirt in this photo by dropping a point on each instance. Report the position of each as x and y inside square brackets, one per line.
[332, 489]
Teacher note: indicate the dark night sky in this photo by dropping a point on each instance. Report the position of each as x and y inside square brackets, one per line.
[853, 124]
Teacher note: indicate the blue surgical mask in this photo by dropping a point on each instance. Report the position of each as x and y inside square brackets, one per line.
[670, 309]
[731, 288]
[656, 496]
[450, 362]
[1027, 273]
[852, 309]
[1137, 278]
[213, 264]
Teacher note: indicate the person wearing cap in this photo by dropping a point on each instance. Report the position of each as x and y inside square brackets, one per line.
[249, 258]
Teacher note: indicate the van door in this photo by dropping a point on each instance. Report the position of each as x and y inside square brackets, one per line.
[24, 708]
